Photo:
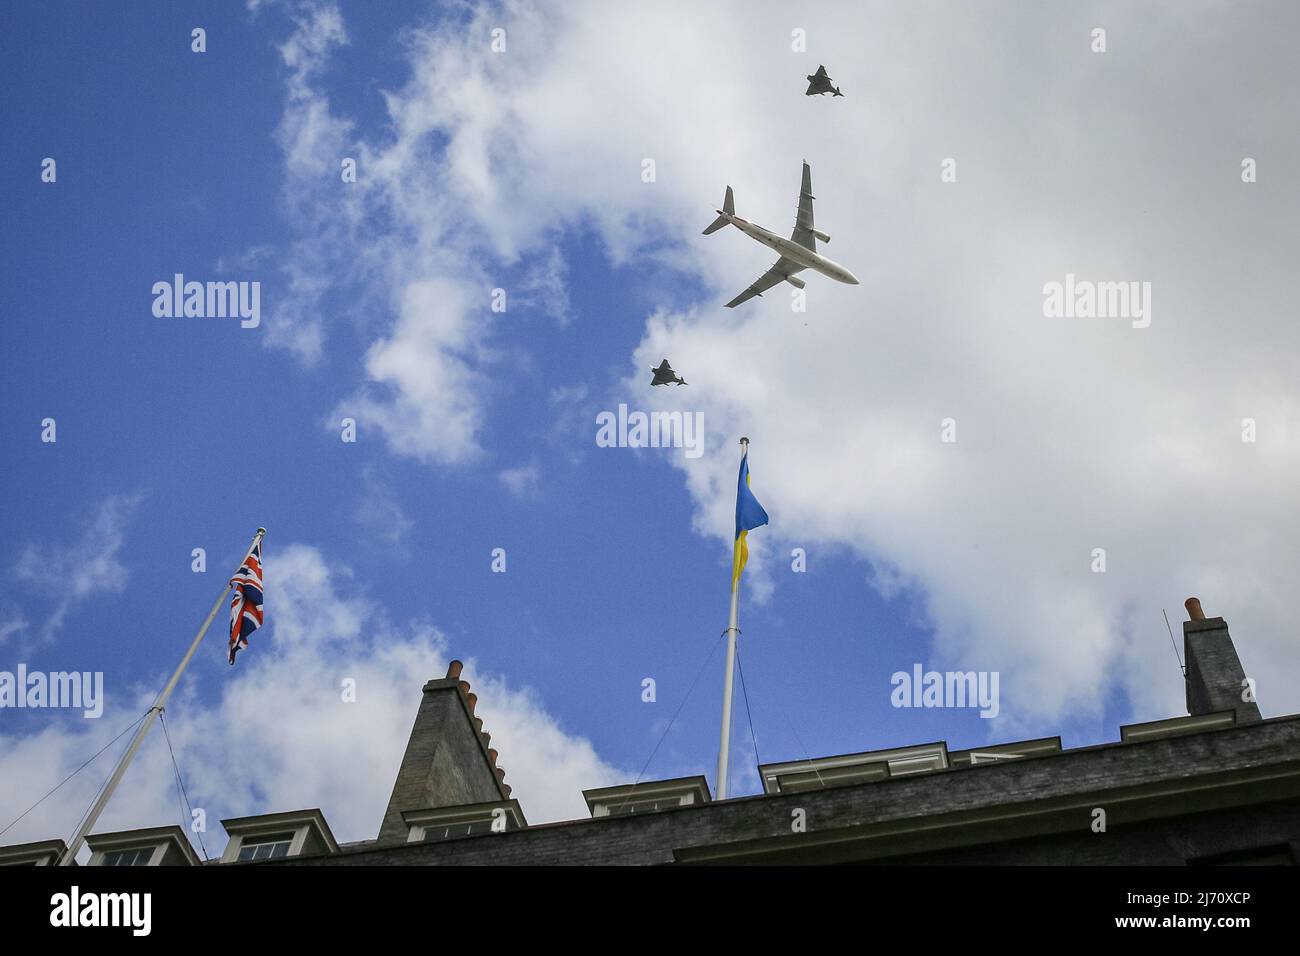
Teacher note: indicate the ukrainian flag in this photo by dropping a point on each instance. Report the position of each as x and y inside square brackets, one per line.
[749, 515]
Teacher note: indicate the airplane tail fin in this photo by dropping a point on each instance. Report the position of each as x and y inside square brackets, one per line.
[728, 209]
[837, 91]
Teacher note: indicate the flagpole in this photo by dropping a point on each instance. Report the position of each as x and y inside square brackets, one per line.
[724, 746]
[159, 703]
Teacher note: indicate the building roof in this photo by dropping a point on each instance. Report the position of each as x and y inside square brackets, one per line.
[1156, 791]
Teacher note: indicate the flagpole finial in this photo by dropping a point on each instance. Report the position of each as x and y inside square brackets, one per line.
[261, 531]
[744, 440]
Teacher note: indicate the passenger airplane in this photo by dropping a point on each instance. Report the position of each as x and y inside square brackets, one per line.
[799, 252]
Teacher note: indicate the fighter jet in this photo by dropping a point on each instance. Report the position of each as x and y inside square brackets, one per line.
[819, 83]
[664, 375]
[799, 252]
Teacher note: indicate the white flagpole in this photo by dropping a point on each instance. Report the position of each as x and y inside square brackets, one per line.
[724, 747]
[159, 703]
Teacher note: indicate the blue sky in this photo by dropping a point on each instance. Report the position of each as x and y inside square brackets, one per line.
[191, 432]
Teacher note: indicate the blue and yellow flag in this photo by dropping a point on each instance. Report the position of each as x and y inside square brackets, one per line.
[749, 515]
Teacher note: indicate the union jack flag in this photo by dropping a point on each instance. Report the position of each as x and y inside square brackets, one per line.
[246, 602]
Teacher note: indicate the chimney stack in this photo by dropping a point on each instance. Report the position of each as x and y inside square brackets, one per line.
[1215, 678]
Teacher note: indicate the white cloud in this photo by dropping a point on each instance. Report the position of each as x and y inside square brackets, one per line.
[545, 287]
[14, 623]
[395, 243]
[522, 481]
[426, 396]
[74, 572]
[380, 514]
[323, 211]
[251, 258]
[1072, 434]
[279, 737]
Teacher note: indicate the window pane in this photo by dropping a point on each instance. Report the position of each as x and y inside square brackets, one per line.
[129, 857]
[266, 850]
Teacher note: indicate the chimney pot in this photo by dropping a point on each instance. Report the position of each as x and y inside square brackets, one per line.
[501, 774]
[473, 701]
[487, 739]
[1194, 612]
[505, 788]
[492, 755]
[464, 685]
[454, 669]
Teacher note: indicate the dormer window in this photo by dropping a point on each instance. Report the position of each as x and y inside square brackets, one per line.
[652, 796]
[850, 769]
[1173, 726]
[474, 819]
[984, 756]
[629, 807]
[155, 846]
[274, 836]
[44, 853]
[265, 848]
[436, 833]
[1003, 753]
[139, 857]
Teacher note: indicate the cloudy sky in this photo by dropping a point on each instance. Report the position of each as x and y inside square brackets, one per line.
[572, 160]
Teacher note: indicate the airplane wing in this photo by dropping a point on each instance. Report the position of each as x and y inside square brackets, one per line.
[774, 276]
[821, 71]
[803, 223]
[663, 367]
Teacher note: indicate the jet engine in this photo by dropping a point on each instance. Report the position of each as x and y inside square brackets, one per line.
[795, 281]
[821, 235]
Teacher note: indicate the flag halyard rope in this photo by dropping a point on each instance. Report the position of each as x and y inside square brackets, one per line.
[182, 797]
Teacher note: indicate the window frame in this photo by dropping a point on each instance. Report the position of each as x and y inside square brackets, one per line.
[255, 843]
[152, 852]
